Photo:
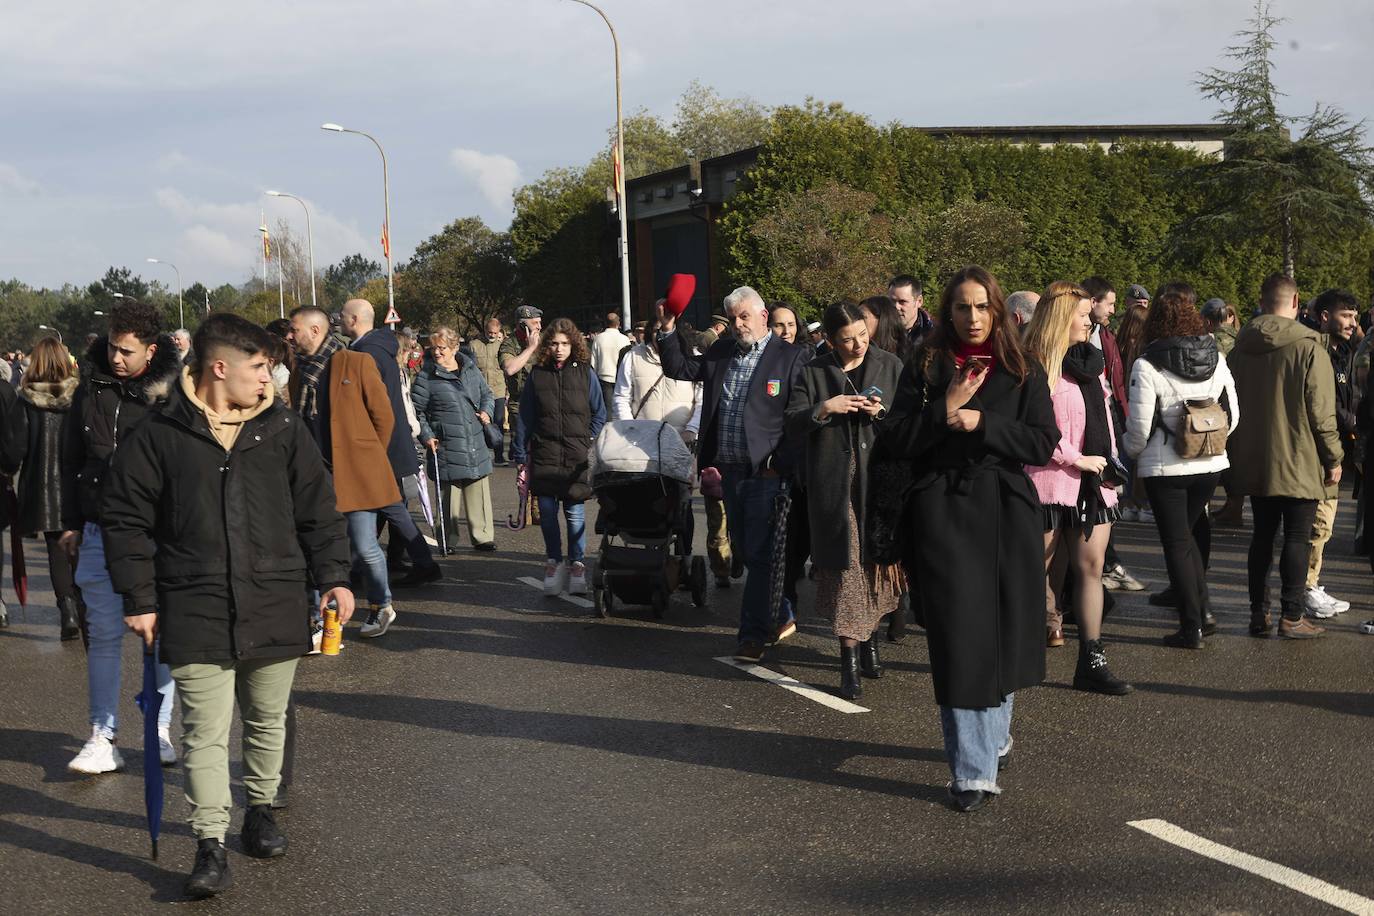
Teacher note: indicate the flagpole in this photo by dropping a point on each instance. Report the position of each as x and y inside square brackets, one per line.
[262, 227]
[281, 292]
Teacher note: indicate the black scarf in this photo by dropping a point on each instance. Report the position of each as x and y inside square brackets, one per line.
[1083, 365]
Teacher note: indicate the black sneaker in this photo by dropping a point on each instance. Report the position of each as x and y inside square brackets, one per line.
[1165, 598]
[210, 875]
[485, 546]
[419, 575]
[970, 800]
[261, 837]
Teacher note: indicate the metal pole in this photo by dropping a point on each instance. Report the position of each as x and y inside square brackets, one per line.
[281, 291]
[386, 211]
[621, 204]
[310, 240]
[181, 305]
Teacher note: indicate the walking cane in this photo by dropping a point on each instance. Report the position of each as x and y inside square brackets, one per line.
[440, 509]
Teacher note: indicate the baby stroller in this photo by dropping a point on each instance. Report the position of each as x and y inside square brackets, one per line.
[641, 474]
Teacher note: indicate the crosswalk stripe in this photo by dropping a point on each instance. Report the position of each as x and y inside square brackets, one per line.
[571, 599]
[794, 685]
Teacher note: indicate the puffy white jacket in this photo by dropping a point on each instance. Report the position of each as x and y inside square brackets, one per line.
[641, 379]
[1156, 405]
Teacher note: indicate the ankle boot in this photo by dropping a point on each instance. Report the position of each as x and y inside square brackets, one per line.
[71, 620]
[850, 688]
[261, 837]
[1093, 674]
[896, 625]
[210, 875]
[868, 659]
[1260, 623]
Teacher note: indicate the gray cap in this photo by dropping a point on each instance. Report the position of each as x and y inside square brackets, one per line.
[1214, 309]
[528, 311]
[1136, 291]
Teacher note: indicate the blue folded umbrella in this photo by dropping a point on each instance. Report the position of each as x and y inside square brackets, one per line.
[150, 702]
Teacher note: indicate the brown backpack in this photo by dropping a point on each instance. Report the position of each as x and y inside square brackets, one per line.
[1203, 428]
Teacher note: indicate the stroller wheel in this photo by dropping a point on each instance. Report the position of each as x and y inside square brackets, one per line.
[603, 600]
[698, 581]
[598, 577]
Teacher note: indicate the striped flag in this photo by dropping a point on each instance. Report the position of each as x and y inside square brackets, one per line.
[266, 243]
[386, 241]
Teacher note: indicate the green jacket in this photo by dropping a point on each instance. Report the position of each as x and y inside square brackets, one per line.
[1226, 339]
[1284, 382]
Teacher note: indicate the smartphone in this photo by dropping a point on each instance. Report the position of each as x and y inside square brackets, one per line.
[977, 363]
[872, 392]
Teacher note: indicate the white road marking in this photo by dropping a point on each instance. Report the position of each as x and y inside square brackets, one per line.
[1290, 878]
[571, 599]
[430, 541]
[794, 685]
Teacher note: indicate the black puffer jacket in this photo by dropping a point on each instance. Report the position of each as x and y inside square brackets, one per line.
[104, 410]
[1191, 358]
[44, 412]
[219, 542]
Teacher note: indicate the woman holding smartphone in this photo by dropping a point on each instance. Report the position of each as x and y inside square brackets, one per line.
[971, 410]
[1079, 505]
[836, 409]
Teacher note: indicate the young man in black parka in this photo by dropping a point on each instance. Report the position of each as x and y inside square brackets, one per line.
[214, 510]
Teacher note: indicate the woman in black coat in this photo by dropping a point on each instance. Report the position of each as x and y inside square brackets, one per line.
[46, 395]
[836, 410]
[972, 410]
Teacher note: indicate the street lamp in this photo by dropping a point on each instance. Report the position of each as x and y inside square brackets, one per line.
[386, 210]
[44, 327]
[310, 240]
[181, 309]
[619, 168]
[99, 313]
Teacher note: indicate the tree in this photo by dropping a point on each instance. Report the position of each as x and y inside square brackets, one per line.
[461, 276]
[1306, 193]
[973, 232]
[343, 280]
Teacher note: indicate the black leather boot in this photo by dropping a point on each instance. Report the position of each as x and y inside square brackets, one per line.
[850, 688]
[1093, 674]
[210, 875]
[260, 835]
[868, 659]
[896, 621]
[71, 619]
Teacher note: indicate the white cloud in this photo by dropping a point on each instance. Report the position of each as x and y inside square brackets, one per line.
[496, 176]
[210, 246]
[13, 182]
[172, 161]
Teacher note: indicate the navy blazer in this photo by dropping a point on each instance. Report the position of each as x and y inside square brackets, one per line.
[778, 369]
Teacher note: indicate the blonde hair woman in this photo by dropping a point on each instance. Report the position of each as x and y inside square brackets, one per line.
[1079, 506]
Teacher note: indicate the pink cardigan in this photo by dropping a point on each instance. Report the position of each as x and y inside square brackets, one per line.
[1058, 482]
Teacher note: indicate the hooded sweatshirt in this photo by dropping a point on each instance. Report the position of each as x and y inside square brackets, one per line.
[1286, 390]
[224, 426]
[1173, 370]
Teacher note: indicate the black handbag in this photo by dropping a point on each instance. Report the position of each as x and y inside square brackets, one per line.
[490, 431]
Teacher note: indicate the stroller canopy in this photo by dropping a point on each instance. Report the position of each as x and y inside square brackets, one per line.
[641, 447]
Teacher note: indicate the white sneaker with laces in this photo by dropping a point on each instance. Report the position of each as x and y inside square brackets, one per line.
[1337, 604]
[577, 579]
[554, 574]
[1145, 515]
[1319, 604]
[165, 749]
[98, 755]
[379, 620]
[1129, 515]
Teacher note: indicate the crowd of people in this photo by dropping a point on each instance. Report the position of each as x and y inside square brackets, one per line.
[961, 471]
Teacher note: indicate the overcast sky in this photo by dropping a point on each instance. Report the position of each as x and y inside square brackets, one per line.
[150, 128]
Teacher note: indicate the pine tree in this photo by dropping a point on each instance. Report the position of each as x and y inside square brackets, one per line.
[1304, 192]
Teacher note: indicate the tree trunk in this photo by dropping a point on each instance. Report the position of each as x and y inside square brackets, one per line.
[1286, 224]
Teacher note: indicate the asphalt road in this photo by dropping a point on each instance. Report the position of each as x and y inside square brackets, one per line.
[498, 752]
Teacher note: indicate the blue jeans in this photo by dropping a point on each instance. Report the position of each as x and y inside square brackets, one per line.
[974, 740]
[498, 419]
[106, 627]
[577, 529]
[368, 557]
[749, 515]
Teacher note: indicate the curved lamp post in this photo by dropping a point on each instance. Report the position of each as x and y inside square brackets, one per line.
[310, 239]
[386, 209]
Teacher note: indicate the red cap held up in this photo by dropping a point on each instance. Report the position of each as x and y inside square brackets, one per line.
[681, 287]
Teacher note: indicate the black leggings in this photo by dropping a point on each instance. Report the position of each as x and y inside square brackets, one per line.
[1297, 517]
[1178, 503]
[59, 567]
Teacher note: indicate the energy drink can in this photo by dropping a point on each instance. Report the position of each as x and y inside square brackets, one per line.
[332, 640]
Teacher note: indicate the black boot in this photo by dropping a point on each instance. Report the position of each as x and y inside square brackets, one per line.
[71, 620]
[896, 621]
[850, 688]
[1184, 639]
[1092, 672]
[210, 875]
[260, 835]
[868, 659]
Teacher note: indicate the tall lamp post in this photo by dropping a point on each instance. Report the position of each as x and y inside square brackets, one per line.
[181, 308]
[619, 167]
[310, 239]
[386, 211]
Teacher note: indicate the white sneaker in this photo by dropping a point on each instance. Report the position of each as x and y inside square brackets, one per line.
[1367, 628]
[1319, 604]
[577, 579]
[1145, 515]
[99, 755]
[165, 749]
[1129, 515]
[1337, 604]
[554, 575]
[379, 620]
[316, 637]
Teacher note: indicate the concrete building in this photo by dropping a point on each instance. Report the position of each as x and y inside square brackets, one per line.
[673, 212]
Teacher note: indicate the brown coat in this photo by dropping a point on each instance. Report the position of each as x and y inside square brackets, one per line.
[360, 423]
